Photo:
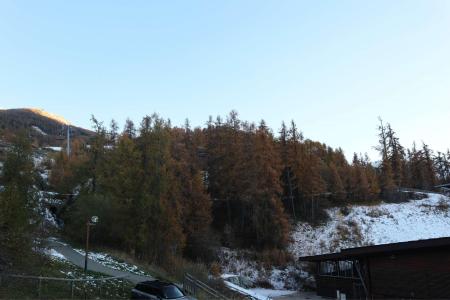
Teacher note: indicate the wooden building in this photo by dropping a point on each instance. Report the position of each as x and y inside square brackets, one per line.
[408, 270]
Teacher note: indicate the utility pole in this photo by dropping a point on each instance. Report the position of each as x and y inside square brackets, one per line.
[89, 223]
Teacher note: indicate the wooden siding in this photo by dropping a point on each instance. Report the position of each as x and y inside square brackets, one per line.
[327, 286]
[424, 274]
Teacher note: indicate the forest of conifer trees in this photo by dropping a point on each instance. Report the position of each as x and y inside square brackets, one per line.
[164, 191]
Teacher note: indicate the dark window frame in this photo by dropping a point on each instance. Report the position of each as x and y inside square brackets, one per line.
[337, 269]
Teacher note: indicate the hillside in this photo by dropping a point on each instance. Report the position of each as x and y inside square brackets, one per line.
[352, 226]
[46, 128]
[234, 219]
[375, 224]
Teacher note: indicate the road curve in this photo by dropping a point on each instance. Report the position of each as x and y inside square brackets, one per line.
[78, 260]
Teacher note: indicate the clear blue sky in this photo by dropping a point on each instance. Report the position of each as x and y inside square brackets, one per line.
[332, 66]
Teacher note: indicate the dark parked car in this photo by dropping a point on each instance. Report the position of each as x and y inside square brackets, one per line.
[156, 290]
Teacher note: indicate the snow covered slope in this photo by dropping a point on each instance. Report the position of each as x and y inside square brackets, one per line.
[354, 226]
[373, 225]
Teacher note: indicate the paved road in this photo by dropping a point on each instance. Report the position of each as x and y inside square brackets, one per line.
[300, 296]
[78, 260]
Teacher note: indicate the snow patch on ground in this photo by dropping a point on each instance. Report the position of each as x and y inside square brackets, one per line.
[234, 262]
[49, 198]
[358, 225]
[38, 159]
[49, 218]
[53, 254]
[38, 130]
[54, 148]
[110, 262]
[374, 225]
[268, 293]
[239, 269]
[44, 200]
[257, 293]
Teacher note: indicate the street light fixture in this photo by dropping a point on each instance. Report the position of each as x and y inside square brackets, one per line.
[92, 222]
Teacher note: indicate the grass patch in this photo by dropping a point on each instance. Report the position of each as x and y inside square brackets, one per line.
[24, 288]
[173, 271]
[148, 268]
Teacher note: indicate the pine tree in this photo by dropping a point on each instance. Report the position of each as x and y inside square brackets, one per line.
[129, 129]
[225, 148]
[372, 179]
[336, 186]
[97, 152]
[194, 201]
[268, 222]
[67, 173]
[17, 201]
[387, 182]
[121, 183]
[360, 182]
[113, 132]
[310, 182]
[158, 213]
[441, 166]
[288, 178]
[429, 177]
[396, 156]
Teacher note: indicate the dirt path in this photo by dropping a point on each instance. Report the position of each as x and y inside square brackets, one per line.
[78, 260]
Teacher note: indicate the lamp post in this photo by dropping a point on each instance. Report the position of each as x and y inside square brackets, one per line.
[89, 223]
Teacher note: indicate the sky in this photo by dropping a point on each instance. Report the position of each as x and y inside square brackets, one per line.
[333, 67]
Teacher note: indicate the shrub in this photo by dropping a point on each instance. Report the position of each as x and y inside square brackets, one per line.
[345, 210]
[443, 205]
[275, 257]
[352, 223]
[263, 283]
[178, 266]
[376, 213]
[215, 269]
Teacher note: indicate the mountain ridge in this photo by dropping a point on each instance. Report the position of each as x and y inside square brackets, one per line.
[46, 127]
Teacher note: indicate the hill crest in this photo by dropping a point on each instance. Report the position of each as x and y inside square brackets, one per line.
[49, 115]
[46, 127]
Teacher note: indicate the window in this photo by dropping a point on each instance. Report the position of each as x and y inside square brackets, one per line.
[328, 268]
[172, 292]
[341, 268]
[145, 288]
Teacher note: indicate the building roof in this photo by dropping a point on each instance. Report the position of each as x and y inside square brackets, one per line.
[350, 253]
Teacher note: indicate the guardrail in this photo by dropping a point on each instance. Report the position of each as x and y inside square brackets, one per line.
[246, 295]
[193, 286]
[412, 190]
[75, 288]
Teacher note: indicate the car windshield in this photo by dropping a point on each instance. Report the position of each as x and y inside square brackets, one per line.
[172, 292]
